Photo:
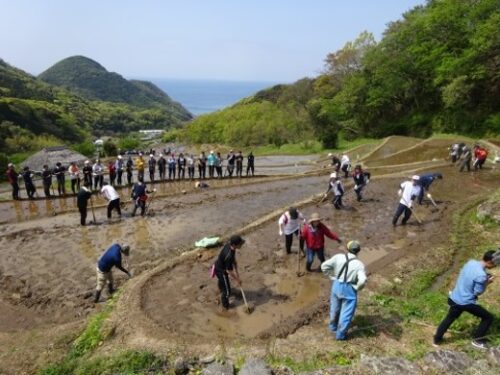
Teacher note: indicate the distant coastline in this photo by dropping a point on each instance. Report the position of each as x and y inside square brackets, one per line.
[205, 96]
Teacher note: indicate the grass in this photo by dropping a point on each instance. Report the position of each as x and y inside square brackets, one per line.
[316, 362]
[310, 147]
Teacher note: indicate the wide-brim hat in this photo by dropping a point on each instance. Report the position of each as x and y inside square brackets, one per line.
[315, 217]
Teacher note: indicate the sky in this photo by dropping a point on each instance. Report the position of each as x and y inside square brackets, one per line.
[237, 40]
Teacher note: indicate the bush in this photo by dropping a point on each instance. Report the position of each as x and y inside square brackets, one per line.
[86, 148]
[110, 148]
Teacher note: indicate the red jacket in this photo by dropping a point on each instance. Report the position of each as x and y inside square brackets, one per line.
[11, 175]
[316, 240]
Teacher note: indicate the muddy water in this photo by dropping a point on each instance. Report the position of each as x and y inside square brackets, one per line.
[393, 144]
[282, 300]
[433, 149]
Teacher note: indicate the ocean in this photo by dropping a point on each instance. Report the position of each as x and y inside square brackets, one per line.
[205, 96]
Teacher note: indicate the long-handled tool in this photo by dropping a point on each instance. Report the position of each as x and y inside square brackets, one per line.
[248, 309]
[146, 211]
[92, 207]
[432, 200]
[299, 273]
[54, 212]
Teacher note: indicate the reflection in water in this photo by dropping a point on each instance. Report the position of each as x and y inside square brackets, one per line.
[18, 207]
[32, 210]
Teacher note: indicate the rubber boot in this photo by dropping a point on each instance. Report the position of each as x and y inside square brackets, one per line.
[97, 296]
[308, 267]
[111, 290]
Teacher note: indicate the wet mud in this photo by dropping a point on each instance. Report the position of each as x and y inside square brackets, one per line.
[47, 268]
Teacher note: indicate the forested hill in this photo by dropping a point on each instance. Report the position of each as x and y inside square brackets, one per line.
[35, 114]
[89, 79]
[435, 70]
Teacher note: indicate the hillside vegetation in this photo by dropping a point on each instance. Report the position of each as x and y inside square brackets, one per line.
[435, 70]
[34, 113]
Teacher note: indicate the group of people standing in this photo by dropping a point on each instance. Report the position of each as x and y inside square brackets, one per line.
[92, 174]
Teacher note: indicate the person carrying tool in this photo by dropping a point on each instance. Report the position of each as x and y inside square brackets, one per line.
[314, 236]
[140, 196]
[82, 199]
[345, 165]
[480, 155]
[74, 176]
[289, 224]
[425, 181]
[113, 198]
[226, 266]
[28, 182]
[12, 176]
[250, 163]
[337, 187]
[361, 179]
[87, 174]
[467, 153]
[408, 191]
[348, 277]
[111, 258]
[59, 172]
[471, 283]
[46, 180]
[152, 167]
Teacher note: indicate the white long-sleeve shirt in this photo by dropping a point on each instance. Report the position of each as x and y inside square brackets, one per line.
[288, 224]
[408, 190]
[356, 274]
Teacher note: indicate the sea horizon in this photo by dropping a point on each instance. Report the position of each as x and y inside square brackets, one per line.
[201, 96]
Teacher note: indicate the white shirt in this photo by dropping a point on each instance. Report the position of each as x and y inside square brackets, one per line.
[97, 169]
[345, 160]
[356, 274]
[109, 193]
[288, 224]
[408, 190]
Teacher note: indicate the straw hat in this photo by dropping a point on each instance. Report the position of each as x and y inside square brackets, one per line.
[315, 217]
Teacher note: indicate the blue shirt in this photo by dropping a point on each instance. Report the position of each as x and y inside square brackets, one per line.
[112, 257]
[427, 179]
[471, 283]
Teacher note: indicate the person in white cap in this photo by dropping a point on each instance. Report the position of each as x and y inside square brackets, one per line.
[119, 167]
[348, 276]
[111, 258]
[211, 159]
[337, 187]
[152, 167]
[409, 190]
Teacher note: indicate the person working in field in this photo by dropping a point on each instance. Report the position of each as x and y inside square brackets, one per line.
[111, 258]
[226, 266]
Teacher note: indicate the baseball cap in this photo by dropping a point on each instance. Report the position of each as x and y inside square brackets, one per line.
[125, 249]
[415, 177]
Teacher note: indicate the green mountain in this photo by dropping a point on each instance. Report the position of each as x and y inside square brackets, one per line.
[435, 70]
[35, 114]
[92, 81]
